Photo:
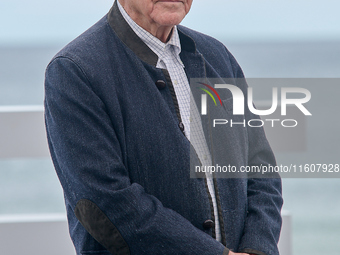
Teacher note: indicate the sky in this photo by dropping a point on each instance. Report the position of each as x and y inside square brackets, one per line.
[57, 22]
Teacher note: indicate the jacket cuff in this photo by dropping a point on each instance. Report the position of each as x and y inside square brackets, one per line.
[252, 251]
[226, 251]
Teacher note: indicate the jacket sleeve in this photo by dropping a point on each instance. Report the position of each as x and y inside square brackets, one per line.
[88, 158]
[264, 192]
[263, 222]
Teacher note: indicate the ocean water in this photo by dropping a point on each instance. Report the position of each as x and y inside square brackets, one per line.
[31, 186]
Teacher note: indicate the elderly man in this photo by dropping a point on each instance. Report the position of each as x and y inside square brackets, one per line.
[118, 125]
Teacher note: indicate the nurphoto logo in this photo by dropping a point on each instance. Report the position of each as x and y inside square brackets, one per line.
[238, 104]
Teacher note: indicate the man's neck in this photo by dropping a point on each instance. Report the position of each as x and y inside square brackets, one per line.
[163, 33]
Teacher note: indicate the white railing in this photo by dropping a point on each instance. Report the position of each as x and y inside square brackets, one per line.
[35, 235]
[22, 132]
[22, 135]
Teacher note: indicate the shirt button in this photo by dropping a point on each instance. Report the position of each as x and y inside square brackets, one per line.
[160, 84]
[208, 224]
[181, 126]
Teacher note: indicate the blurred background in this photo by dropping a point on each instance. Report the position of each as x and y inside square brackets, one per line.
[270, 39]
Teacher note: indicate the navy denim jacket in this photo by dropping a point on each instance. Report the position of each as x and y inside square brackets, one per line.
[123, 160]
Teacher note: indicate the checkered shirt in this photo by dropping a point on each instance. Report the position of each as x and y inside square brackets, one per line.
[169, 59]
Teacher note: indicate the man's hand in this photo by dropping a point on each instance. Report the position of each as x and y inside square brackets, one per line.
[233, 253]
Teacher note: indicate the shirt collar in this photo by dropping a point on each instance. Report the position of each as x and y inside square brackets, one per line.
[125, 33]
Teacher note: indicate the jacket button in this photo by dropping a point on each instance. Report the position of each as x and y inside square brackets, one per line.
[160, 84]
[181, 126]
[208, 224]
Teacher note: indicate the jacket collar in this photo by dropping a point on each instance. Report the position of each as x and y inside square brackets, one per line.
[131, 40]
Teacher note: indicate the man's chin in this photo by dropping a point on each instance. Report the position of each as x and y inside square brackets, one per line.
[169, 19]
